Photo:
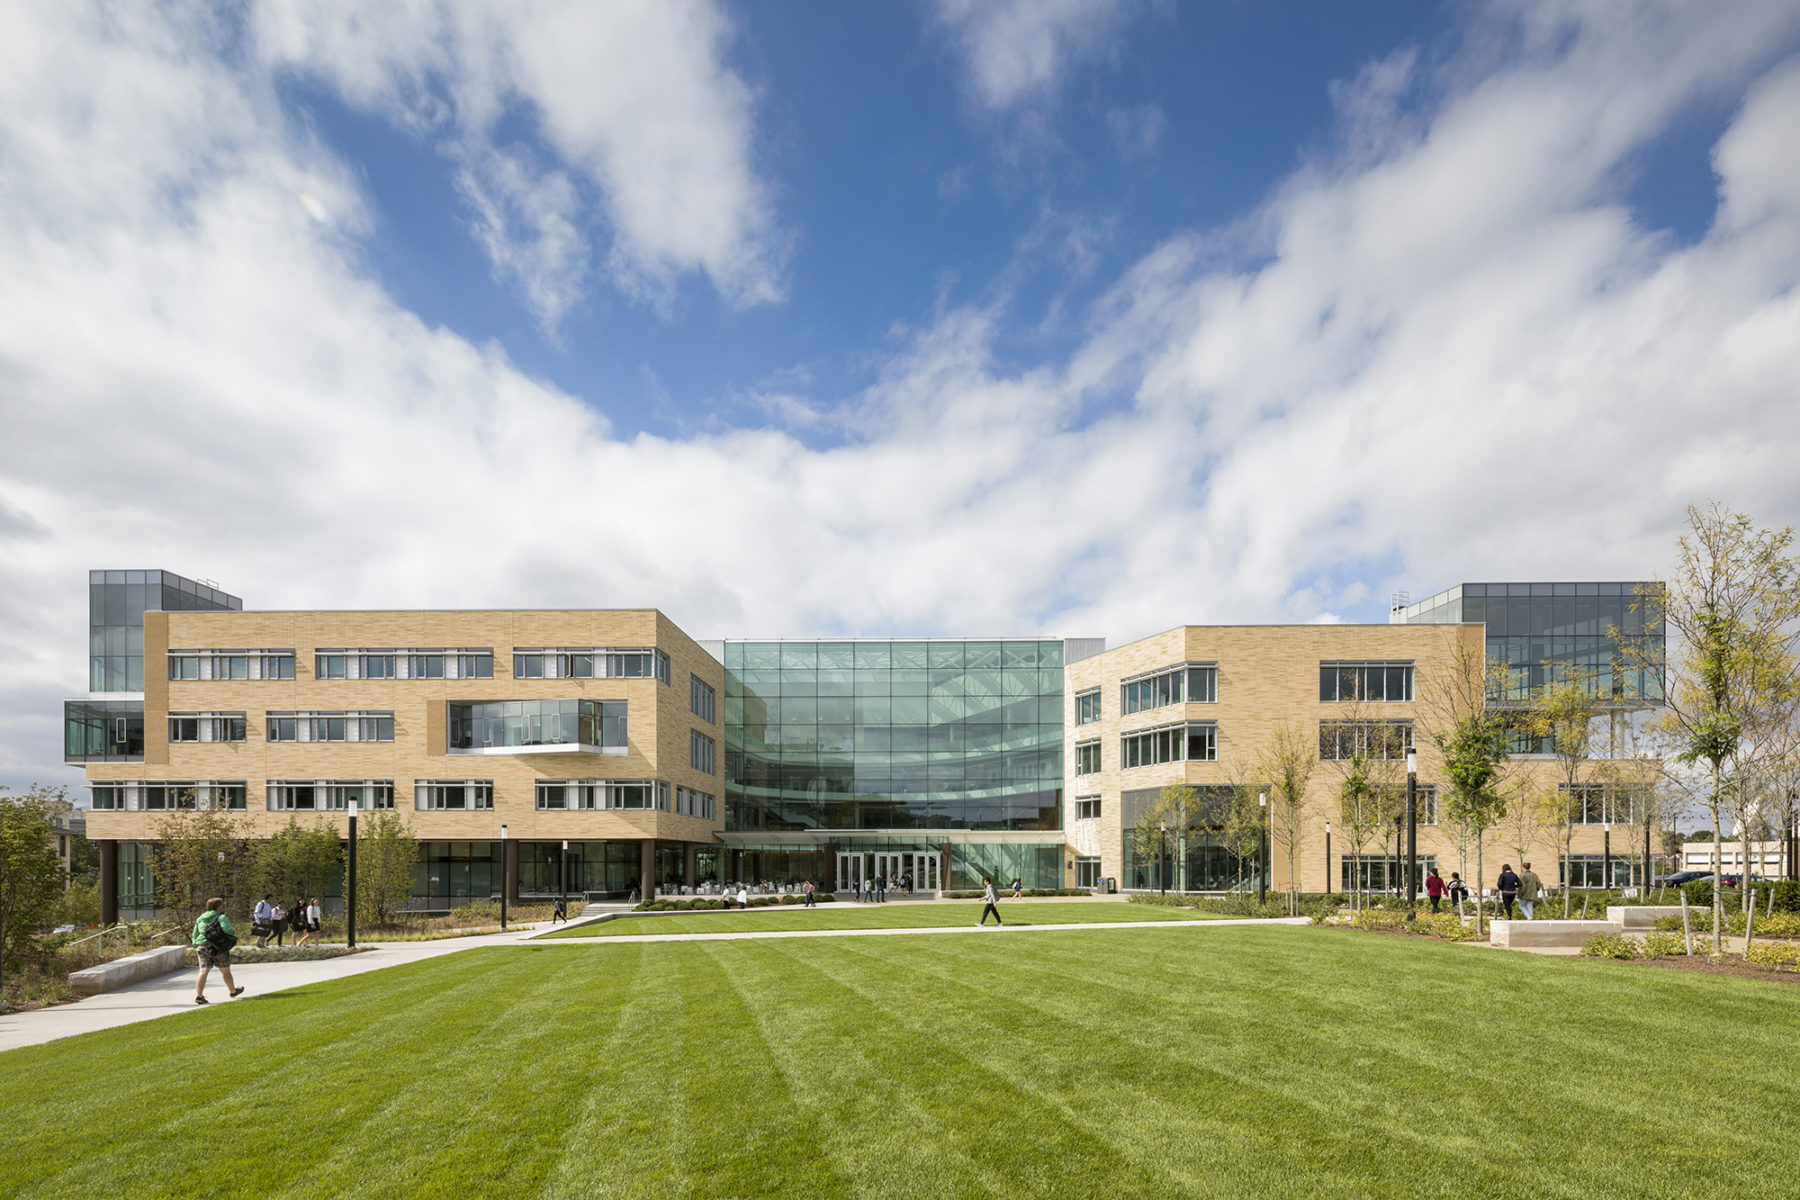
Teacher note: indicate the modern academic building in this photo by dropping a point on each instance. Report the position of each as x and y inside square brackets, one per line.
[611, 749]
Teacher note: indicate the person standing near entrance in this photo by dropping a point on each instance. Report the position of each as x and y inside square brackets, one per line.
[880, 888]
[990, 904]
[212, 939]
[1530, 888]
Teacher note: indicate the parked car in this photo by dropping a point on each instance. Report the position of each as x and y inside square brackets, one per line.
[1681, 877]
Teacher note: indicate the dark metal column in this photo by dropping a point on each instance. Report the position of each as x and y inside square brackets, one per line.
[687, 863]
[109, 882]
[647, 861]
[510, 866]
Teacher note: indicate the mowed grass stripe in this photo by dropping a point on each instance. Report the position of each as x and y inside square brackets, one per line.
[878, 916]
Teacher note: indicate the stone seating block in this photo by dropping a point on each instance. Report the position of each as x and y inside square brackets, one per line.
[1546, 934]
[1642, 916]
[122, 972]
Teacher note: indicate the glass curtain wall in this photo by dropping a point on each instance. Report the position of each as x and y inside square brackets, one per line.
[1197, 863]
[609, 866]
[865, 735]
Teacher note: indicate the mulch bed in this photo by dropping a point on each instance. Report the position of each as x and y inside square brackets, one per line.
[1742, 970]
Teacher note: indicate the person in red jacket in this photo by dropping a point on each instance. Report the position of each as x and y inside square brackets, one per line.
[1434, 887]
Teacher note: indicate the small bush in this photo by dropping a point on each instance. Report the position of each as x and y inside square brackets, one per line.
[476, 912]
[1663, 943]
[1610, 945]
[1783, 956]
[790, 899]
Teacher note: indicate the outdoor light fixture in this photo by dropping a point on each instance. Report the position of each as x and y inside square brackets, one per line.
[1606, 856]
[1328, 858]
[1412, 830]
[350, 890]
[1262, 847]
[562, 873]
[503, 879]
[1164, 865]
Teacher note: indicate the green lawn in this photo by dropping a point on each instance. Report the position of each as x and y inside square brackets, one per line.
[1235, 1061]
[884, 916]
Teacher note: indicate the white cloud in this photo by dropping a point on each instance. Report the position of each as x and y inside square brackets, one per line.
[1451, 354]
[632, 100]
[1018, 51]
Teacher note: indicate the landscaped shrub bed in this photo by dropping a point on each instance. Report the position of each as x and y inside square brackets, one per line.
[242, 954]
[717, 903]
[1610, 945]
[1783, 956]
[1007, 892]
[1786, 891]
[1781, 925]
[1244, 904]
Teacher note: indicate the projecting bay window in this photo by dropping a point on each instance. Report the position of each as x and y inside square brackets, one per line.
[329, 727]
[593, 795]
[202, 795]
[1087, 707]
[537, 727]
[1340, 741]
[1087, 758]
[1087, 808]
[206, 727]
[702, 753]
[453, 795]
[465, 663]
[702, 699]
[231, 664]
[1171, 743]
[329, 795]
[1382, 682]
[1193, 683]
[590, 663]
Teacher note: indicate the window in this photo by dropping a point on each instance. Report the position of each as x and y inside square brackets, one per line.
[497, 726]
[466, 663]
[702, 753]
[1087, 809]
[1170, 743]
[1343, 740]
[1087, 872]
[1599, 871]
[329, 795]
[166, 795]
[1192, 684]
[1087, 707]
[1087, 758]
[1382, 873]
[1428, 804]
[453, 794]
[689, 803]
[702, 699]
[597, 794]
[532, 663]
[206, 727]
[330, 727]
[231, 664]
[1373, 681]
[1598, 804]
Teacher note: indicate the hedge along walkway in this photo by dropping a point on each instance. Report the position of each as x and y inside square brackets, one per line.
[935, 916]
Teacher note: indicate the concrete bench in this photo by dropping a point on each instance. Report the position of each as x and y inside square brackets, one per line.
[91, 981]
[1641, 916]
[1546, 934]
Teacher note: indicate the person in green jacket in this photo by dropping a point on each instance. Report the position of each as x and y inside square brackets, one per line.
[209, 956]
[1530, 888]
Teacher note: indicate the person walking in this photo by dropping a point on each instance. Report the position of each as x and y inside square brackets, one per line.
[1530, 888]
[880, 889]
[262, 920]
[561, 911]
[991, 904]
[812, 899]
[743, 897]
[1459, 891]
[281, 924]
[1509, 888]
[212, 939]
[1018, 888]
[312, 920]
[1434, 887]
[297, 921]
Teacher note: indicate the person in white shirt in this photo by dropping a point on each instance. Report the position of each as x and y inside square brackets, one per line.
[743, 897]
[262, 919]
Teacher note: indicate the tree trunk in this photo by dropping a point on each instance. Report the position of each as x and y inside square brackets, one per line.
[1478, 889]
[1718, 896]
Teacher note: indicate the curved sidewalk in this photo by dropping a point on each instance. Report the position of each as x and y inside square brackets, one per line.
[174, 992]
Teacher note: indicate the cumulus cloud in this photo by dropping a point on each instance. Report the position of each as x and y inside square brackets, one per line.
[1452, 352]
[650, 132]
[1018, 51]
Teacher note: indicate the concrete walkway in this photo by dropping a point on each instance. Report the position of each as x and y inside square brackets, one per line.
[174, 992]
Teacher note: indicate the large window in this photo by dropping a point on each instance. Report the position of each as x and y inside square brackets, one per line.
[703, 753]
[1170, 743]
[1087, 758]
[702, 699]
[1599, 804]
[329, 795]
[330, 727]
[466, 663]
[1087, 707]
[168, 795]
[476, 727]
[557, 795]
[206, 727]
[690, 803]
[590, 663]
[1382, 873]
[231, 664]
[1601, 871]
[1087, 872]
[1189, 684]
[453, 794]
[1087, 808]
[1343, 740]
[1383, 681]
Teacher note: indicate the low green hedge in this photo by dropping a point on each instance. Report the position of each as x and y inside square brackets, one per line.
[1006, 893]
[1783, 956]
[1445, 925]
[1786, 892]
[1244, 904]
[1610, 945]
[717, 903]
[1781, 925]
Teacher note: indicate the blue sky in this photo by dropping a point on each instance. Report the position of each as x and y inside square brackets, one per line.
[1074, 317]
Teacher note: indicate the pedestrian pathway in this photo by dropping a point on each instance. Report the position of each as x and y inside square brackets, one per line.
[174, 992]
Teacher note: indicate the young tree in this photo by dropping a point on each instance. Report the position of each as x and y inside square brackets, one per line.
[1562, 715]
[1286, 763]
[1733, 615]
[200, 854]
[1524, 814]
[298, 860]
[385, 852]
[1470, 730]
[1243, 829]
[31, 875]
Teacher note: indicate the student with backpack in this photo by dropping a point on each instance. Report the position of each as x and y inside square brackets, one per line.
[212, 939]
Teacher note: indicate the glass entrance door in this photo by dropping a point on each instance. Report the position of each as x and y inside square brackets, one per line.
[849, 871]
[924, 872]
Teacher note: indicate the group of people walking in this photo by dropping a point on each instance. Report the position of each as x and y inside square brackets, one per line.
[874, 888]
[1524, 887]
[271, 919]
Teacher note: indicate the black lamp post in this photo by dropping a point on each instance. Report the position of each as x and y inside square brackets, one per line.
[350, 911]
[1412, 830]
[1328, 858]
[562, 875]
[1606, 857]
[502, 879]
[1262, 847]
[1163, 865]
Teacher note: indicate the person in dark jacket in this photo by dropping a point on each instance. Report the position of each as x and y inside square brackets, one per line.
[1509, 888]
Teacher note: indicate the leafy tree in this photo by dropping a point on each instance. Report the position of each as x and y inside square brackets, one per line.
[1243, 829]
[1732, 611]
[201, 854]
[385, 854]
[31, 875]
[298, 860]
[1562, 714]
[1286, 763]
[1471, 732]
[1182, 812]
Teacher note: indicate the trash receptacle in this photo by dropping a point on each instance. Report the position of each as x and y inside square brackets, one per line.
[1110, 885]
